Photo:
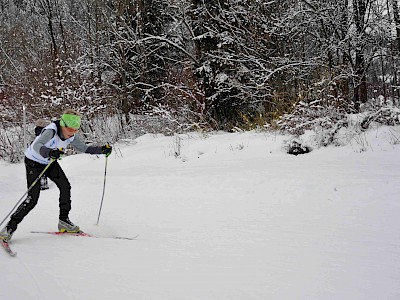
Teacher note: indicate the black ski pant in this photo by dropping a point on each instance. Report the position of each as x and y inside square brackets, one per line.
[57, 175]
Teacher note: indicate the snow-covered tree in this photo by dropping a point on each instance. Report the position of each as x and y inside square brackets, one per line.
[235, 52]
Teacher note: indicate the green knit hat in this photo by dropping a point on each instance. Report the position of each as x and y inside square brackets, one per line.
[71, 121]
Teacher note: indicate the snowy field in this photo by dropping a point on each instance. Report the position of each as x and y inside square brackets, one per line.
[232, 217]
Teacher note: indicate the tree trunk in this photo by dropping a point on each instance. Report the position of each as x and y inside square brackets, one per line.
[360, 66]
[395, 49]
[396, 16]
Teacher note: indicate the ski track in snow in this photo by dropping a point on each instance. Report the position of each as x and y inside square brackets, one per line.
[232, 217]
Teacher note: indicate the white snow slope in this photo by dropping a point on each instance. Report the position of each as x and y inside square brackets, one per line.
[233, 217]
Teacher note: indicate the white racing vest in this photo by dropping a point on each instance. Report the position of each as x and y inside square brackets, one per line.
[54, 143]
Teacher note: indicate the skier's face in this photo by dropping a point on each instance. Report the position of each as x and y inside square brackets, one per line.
[68, 131]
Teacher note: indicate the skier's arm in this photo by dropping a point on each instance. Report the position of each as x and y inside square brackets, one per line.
[39, 144]
[79, 145]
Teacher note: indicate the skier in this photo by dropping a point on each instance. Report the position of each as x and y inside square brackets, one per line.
[40, 125]
[46, 148]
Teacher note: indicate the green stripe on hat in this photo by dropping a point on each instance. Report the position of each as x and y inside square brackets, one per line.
[72, 121]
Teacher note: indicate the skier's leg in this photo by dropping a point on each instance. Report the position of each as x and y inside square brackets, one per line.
[57, 175]
[33, 170]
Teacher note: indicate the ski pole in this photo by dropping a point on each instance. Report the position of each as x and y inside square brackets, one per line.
[104, 188]
[29, 189]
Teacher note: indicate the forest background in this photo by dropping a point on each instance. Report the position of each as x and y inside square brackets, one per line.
[181, 65]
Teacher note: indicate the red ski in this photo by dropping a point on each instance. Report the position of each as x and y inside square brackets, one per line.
[81, 233]
[6, 247]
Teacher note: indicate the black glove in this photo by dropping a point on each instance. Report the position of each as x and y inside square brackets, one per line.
[106, 149]
[56, 153]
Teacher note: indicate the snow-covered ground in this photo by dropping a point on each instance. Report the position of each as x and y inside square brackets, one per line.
[229, 216]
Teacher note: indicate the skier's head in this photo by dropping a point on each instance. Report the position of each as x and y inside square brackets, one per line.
[70, 122]
[71, 119]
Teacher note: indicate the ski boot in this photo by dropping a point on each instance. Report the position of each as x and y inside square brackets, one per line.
[66, 225]
[6, 234]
